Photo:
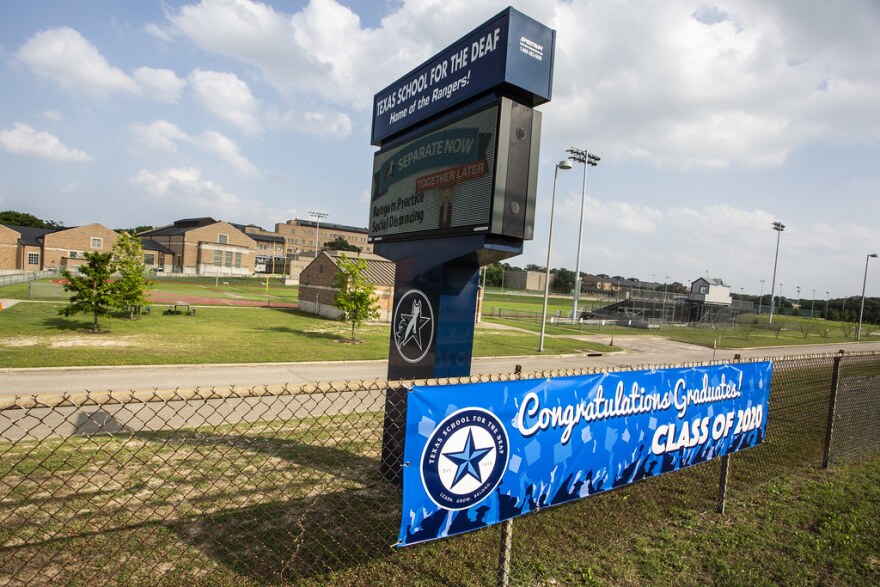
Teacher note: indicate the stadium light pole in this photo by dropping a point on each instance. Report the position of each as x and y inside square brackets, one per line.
[564, 164]
[317, 216]
[761, 298]
[778, 227]
[864, 282]
[813, 303]
[827, 298]
[581, 156]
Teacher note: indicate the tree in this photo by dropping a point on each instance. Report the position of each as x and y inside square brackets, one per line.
[340, 244]
[494, 275]
[92, 290]
[25, 219]
[132, 285]
[356, 294]
[564, 281]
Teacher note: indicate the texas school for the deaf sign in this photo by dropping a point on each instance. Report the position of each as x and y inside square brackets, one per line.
[483, 453]
[510, 49]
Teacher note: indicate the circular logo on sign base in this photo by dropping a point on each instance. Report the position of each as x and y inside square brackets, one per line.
[464, 459]
[413, 326]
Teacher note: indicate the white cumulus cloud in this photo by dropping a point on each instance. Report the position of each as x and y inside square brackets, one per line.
[160, 84]
[165, 135]
[65, 56]
[23, 139]
[228, 98]
[198, 195]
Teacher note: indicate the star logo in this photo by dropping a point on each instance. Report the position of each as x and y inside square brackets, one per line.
[468, 460]
[413, 326]
[464, 459]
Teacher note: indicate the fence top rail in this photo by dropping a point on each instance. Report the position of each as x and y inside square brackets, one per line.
[94, 398]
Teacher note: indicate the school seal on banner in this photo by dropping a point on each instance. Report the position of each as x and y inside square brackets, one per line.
[464, 459]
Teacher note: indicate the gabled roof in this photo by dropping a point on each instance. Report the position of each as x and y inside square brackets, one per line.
[29, 235]
[379, 269]
[271, 238]
[331, 226]
[151, 245]
[179, 227]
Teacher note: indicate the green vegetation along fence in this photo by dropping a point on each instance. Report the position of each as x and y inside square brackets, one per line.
[281, 485]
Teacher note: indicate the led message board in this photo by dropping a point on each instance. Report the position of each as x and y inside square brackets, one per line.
[474, 175]
[510, 51]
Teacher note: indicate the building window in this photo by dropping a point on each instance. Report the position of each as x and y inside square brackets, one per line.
[149, 259]
[218, 258]
[228, 262]
[33, 258]
[73, 254]
[223, 239]
[238, 259]
[97, 242]
[262, 246]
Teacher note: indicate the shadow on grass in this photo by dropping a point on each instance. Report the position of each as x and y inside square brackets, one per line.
[341, 512]
[66, 324]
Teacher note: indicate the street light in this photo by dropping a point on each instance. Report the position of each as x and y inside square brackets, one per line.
[564, 164]
[864, 282]
[778, 227]
[761, 298]
[317, 216]
[581, 156]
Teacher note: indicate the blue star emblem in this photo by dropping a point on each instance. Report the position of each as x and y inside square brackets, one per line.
[468, 460]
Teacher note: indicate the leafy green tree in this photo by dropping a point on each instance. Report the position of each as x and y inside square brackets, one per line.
[494, 275]
[93, 292]
[356, 295]
[564, 281]
[25, 219]
[340, 244]
[132, 285]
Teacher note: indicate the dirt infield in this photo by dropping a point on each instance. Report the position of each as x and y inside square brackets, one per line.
[159, 298]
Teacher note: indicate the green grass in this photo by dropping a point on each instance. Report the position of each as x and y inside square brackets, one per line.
[207, 287]
[300, 502]
[34, 335]
[792, 333]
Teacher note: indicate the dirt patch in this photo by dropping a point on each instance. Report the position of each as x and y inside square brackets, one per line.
[67, 342]
[158, 299]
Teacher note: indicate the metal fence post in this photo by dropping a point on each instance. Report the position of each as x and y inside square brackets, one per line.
[832, 409]
[506, 551]
[722, 484]
[725, 468]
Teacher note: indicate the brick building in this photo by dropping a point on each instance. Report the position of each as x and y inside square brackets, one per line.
[39, 249]
[204, 246]
[300, 236]
[316, 291]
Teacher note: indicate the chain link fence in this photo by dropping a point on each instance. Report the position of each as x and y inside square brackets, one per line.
[284, 485]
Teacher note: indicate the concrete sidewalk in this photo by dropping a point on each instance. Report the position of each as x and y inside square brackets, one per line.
[647, 351]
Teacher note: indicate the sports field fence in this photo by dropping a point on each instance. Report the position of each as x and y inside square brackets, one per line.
[282, 485]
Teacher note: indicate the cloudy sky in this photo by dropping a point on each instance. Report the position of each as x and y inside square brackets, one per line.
[712, 118]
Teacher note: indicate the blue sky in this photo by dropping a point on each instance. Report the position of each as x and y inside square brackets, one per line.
[713, 119]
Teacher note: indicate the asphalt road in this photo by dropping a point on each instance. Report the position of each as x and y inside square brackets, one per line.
[638, 350]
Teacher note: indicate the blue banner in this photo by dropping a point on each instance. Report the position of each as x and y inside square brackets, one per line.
[479, 454]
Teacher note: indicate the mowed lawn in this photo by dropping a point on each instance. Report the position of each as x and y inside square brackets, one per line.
[34, 335]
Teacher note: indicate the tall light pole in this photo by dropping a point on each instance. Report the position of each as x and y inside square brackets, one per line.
[317, 216]
[778, 227]
[761, 298]
[827, 298]
[864, 282]
[564, 164]
[812, 303]
[665, 288]
[581, 156]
